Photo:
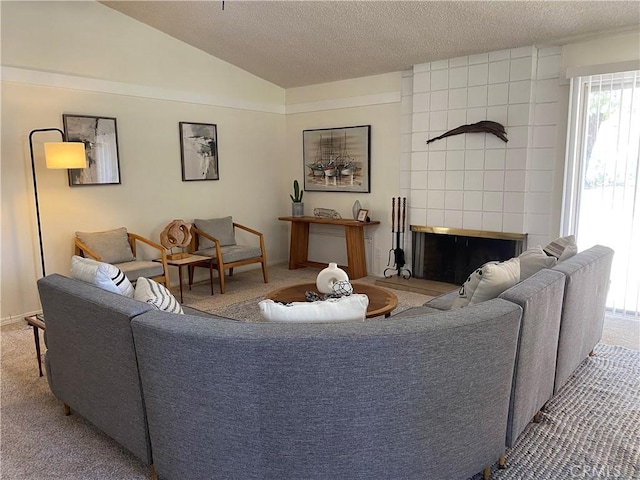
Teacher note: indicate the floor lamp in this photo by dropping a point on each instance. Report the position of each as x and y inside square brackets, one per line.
[57, 155]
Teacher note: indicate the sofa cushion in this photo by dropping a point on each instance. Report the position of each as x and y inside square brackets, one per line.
[488, 282]
[141, 268]
[562, 248]
[232, 253]
[343, 309]
[155, 294]
[220, 228]
[533, 260]
[112, 246]
[104, 275]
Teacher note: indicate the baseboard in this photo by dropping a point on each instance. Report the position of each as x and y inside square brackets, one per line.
[11, 319]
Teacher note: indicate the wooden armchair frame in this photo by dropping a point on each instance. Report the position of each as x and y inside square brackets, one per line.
[218, 260]
[82, 250]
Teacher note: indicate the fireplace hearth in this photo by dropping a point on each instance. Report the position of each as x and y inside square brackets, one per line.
[451, 254]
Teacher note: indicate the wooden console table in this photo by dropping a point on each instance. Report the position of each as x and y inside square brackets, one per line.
[354, 232]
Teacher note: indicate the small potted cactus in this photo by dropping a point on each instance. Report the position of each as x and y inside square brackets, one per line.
[297, 207]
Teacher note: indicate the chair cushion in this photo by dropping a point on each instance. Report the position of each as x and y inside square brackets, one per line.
[343, 309]
[140, 268]
[232, 253]
[112, 246]
[220, 228]
[104, 275]
[155, 294]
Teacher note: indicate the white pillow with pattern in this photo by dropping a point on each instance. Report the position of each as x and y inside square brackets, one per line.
[156, 294]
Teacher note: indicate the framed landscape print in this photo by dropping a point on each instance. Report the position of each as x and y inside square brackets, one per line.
[100, 138]
[337, 159]
[199, 151]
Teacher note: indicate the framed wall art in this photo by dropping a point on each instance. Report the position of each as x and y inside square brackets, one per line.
[100, 138]
[199, 151]
[337, 159]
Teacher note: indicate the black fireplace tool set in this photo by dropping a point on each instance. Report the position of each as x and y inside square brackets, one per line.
[396, 254]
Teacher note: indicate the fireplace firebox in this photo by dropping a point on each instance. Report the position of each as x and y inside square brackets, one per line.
[451, 254]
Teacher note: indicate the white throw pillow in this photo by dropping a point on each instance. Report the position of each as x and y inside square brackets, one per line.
[104, 275]
[343, 309]
[156, 294]
[562, 248]
[488, 282]
[533, 260]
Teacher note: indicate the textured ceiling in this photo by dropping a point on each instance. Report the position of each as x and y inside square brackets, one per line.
[297, 43]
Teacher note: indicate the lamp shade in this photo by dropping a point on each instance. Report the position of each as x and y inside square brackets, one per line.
[65, 155]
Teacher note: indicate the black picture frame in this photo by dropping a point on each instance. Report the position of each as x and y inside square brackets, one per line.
[337, 159]
[199, 151]
[100, 137]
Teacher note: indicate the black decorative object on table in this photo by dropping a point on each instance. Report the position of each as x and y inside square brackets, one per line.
[397, 241]
[485, 126]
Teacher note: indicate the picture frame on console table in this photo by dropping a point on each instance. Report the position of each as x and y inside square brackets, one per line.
[199, 151]
[362, 215]
[337, 159]
[100, 138]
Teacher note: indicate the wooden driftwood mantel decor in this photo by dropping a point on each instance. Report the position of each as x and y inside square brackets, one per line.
[485, 126]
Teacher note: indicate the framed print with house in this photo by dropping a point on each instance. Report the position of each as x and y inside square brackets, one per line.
[100, 138]
[199, 151]
[337, 159]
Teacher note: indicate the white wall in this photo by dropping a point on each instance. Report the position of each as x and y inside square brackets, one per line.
[154, 82]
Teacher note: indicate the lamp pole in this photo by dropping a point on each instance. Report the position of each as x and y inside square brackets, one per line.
[35, 186]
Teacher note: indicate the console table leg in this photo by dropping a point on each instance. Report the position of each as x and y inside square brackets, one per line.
[299, 247]
[356, 258]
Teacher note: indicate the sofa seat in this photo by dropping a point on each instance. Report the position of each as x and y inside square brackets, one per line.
[231, 253]
[141, 268]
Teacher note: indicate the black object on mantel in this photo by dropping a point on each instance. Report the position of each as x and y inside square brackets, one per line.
[397, 239]
[485, 126]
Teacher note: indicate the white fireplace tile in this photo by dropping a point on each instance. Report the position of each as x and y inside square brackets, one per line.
[406, 105]
[435, 199]
[453, 218]
[437, 160]
[439, 64]
[478, 74]
[494, 181]
[421, 102]
[498, 113]
[436, 180]
[543, 158]
[494, 159]
[419, 180]
[547, 90]
[438, 120]
[522, 52]
[456, 142]
[513, 222]
[472, 220]
[435, 218]
[477, 96]
[521, 69]
[439, 80]
[417, 216]
[474, 180]
[499, 72]
[474, 160]
[518, 114]
[491, 141]
[418, 198]
[538, 202]
[499, 55]
[546, 51]
[420, 122]
[405, 179]
[438, 100]
[518, 137]
[474, 141]
[541, 181]
[479, 58]
[422, 67]
[458, 77]
[421, 82]
[548, 67]
[455, 160]
[537, 224]
[476, 114]
[405, 142]
[419, 161]
[458, 62]
[406, 87]
[492, 221]
[418, 143]
[492, 201]
[406, 123]
[514, 181]
[458, 98]
[546, 114]
[456, 118]
[516, 158]
[498, 94]
[520, 92]
[545, 136]
[405, 161]
[454, 180]
[436, 146]
[472, 200]
[514, 202]
[542, 240]
[453, 199]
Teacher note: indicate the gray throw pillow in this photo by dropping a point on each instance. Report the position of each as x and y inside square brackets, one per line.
[219, 228]
[112, 246]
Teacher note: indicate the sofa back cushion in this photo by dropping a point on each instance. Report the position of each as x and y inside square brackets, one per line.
[112, 245]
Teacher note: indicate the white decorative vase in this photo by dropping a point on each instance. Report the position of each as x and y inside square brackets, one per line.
[355, 209]
[330, 275]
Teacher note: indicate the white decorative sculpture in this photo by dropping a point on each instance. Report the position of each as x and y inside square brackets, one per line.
[330, 275]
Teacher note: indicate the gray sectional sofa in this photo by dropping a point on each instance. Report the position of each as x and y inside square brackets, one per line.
[428, 393]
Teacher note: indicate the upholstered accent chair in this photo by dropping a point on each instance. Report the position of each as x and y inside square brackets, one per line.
[216, 238]
[118, 247]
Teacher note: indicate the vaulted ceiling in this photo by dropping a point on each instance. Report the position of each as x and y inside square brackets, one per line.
[297, 43]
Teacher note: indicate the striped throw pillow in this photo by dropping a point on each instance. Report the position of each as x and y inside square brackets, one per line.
[104, 275]
[158, 295]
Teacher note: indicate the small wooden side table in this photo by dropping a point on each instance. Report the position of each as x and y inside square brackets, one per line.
[37, 324]
[189, 261]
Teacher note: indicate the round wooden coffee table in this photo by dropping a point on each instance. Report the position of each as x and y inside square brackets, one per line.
[381, 300]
